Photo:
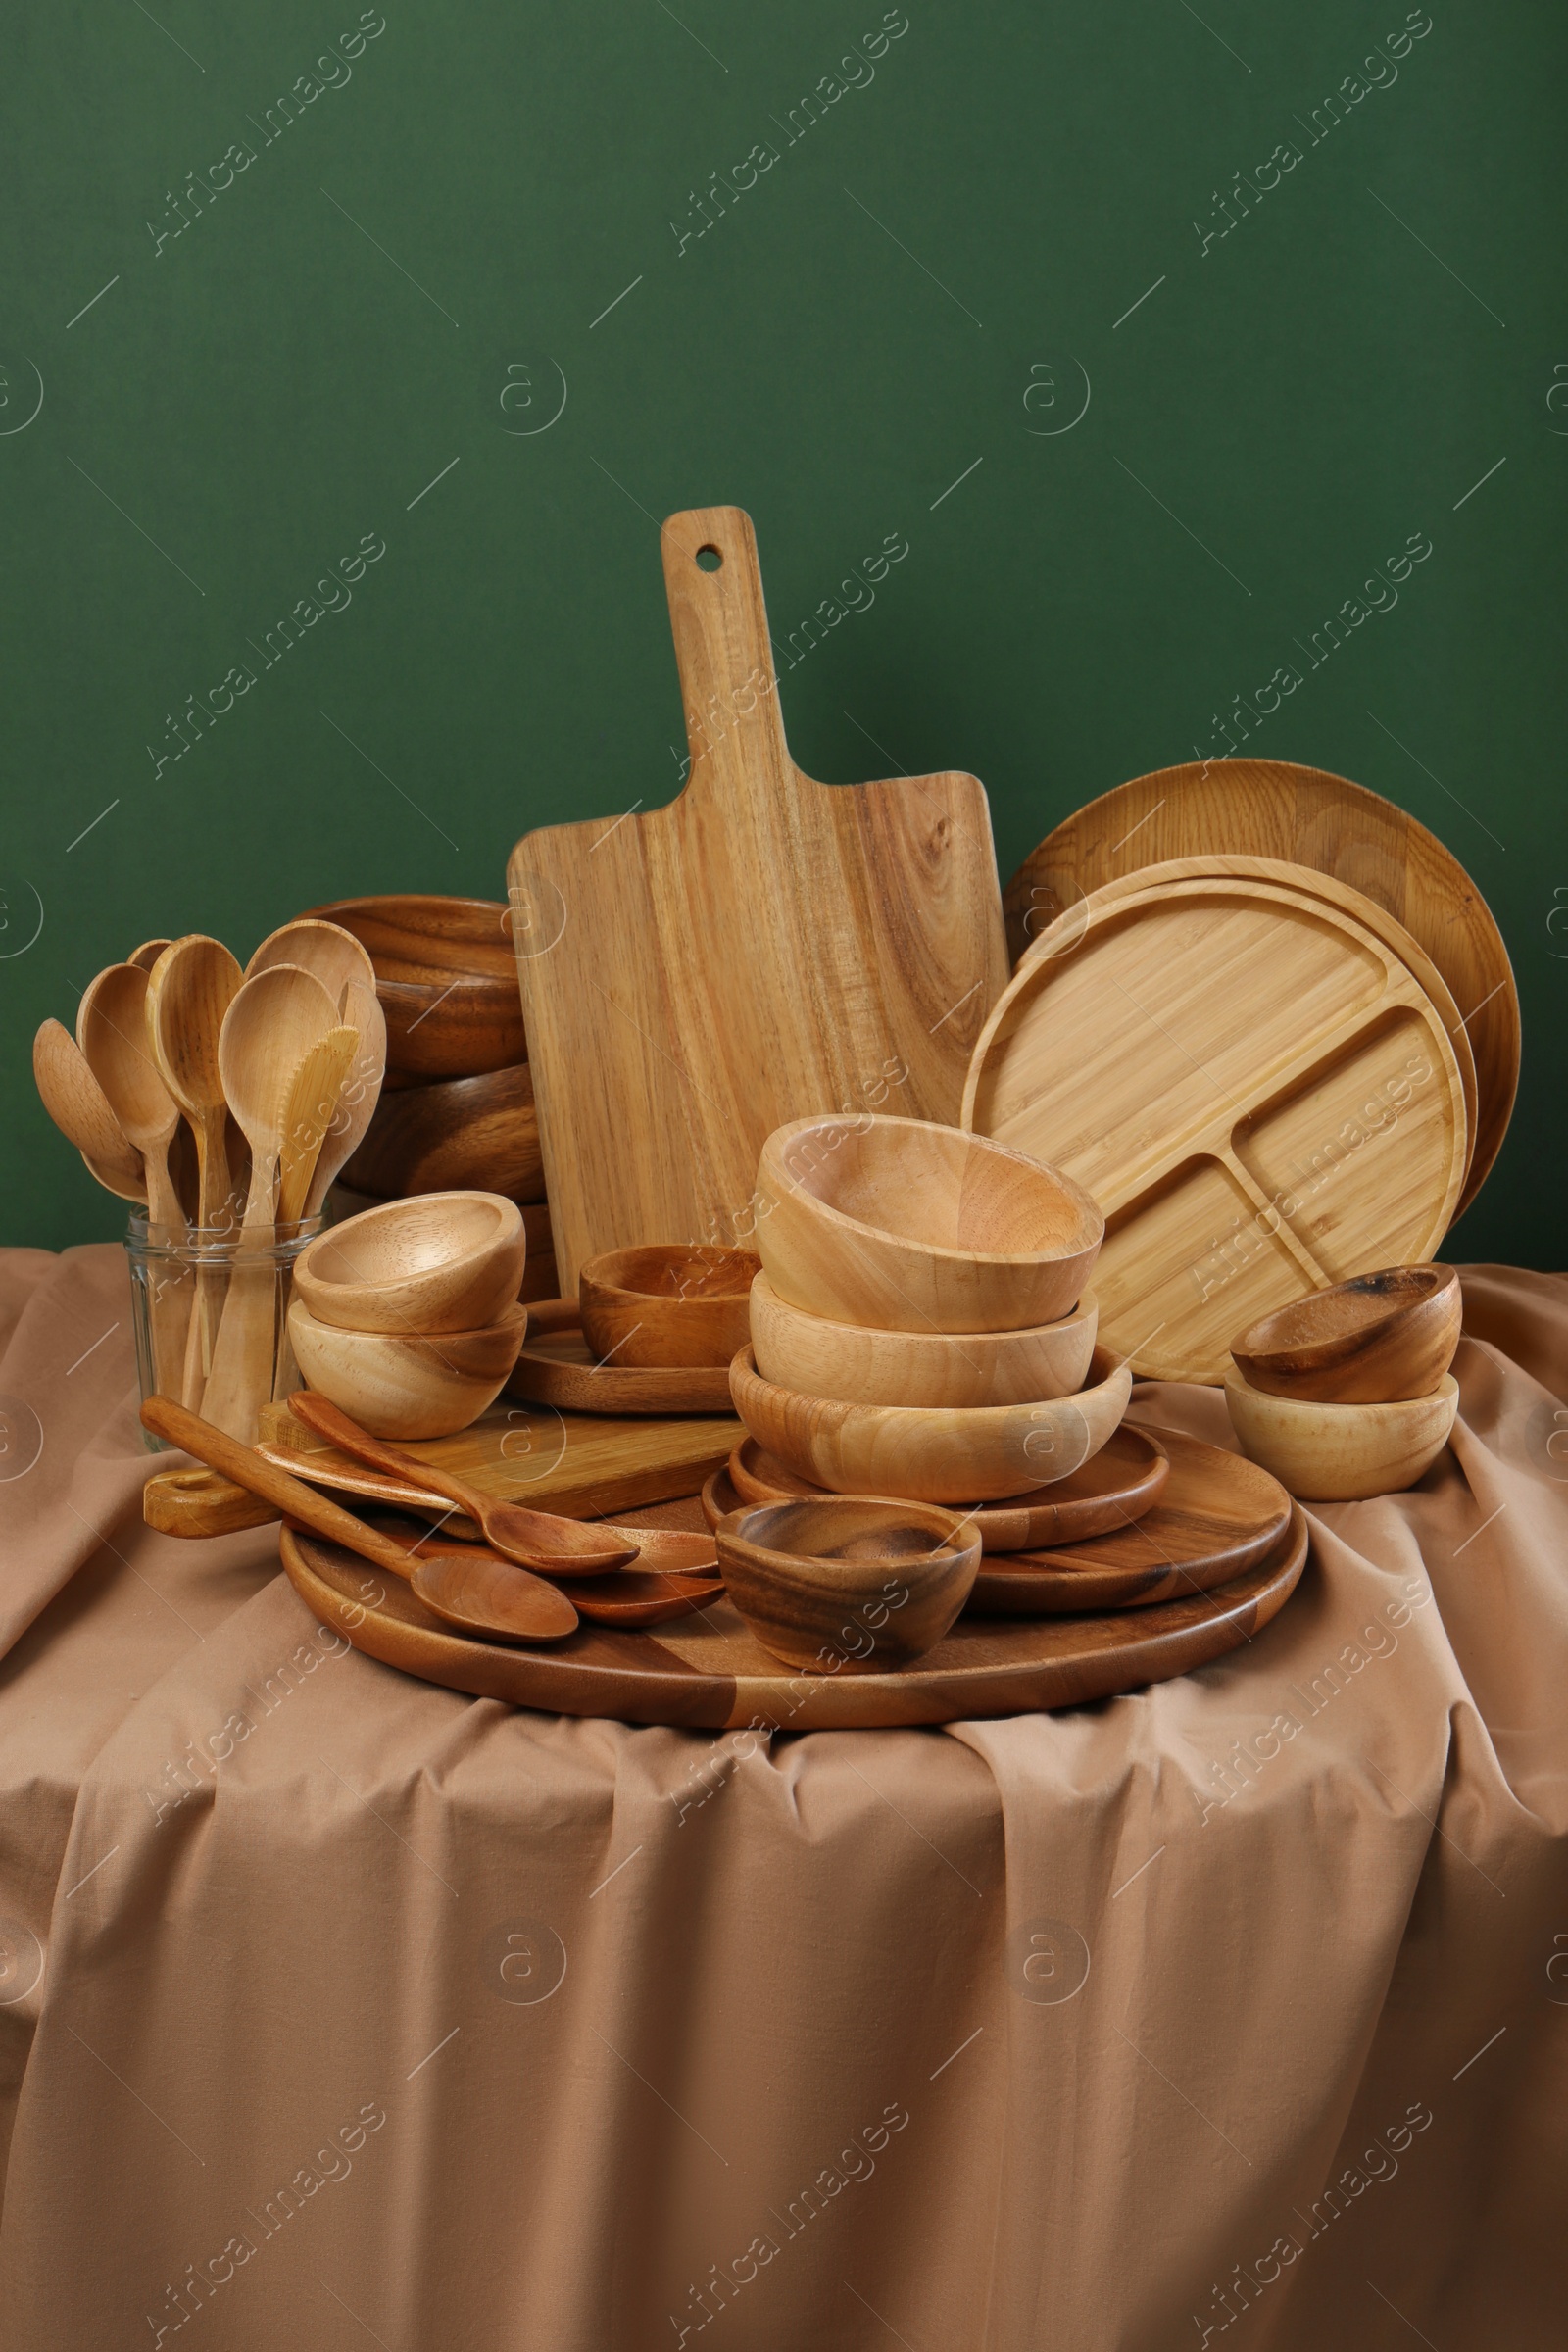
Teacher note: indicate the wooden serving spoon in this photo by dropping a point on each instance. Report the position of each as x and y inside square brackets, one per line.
[111, 1031]
[332, 953]
[79, 1109]
[667, 1553]
[147, 955]
[468, 1583]
[189, 988]
[533, 1539]
[536, 1611]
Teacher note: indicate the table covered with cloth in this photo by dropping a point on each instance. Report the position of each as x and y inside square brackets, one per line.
[337, 2008]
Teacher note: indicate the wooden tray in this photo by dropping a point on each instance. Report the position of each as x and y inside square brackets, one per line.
[1203, 1055]
[574, 1463]
[556, 1367]
[707, 1673]
[763, 947]
[1273, 809]
[1114, 1487]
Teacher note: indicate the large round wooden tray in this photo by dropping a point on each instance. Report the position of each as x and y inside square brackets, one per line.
[1274, 809]
[707, 1673]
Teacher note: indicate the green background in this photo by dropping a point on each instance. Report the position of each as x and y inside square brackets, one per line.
[853, 335]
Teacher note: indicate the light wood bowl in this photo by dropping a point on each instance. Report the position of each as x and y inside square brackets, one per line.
[440, 1262]
[398, 1384]
[1341, 1452]
[1377, 1340]
[847, 1586]
[906, 1226]
[981, 1453]
[666, 1304]
[818, 1357]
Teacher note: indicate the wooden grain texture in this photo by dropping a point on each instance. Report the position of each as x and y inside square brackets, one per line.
[1342, 1452]
[1375, 1340]
[445, 978]
[819, 1357]
[441, 1261]
[847, 1584]
[481, 1133]
[79, 1109]
[763, 947]
[1274, 809]
[580, 1464]
[408, 1384]
[201, 1503]
[1253, 1087]
[710, 1673]
[425, 931]
[662, 1305]
[556, 1367]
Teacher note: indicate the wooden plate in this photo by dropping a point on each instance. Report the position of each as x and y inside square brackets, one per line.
[1255, 1090]
[1218, 1516]
[1273, 809]
[709, 1673]
[557, 1367]
[1108, 1491]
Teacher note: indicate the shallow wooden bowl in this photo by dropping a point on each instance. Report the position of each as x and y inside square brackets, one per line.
[447, 978]
[480, 1133]
[666, 1304]
[847, 1586]
[440, 1262]
[819, 1357]
[1375, 1340]
[398, 1384]
[906, 1226]
[963, 1455]
[1341, 1452]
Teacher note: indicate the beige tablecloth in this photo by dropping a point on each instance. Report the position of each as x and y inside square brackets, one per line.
[338, 2009]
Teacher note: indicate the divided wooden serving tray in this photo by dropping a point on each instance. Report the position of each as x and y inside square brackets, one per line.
[1253, 1085]
[707, 1673]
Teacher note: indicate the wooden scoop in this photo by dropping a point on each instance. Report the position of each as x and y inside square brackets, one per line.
[530, 1610]
[79, 1109]
[533, 1539]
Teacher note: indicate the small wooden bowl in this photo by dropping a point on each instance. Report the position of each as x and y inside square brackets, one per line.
[905, 1226]
[666, 1304]
[818, 1357]
[1341, 1452]
[1377, 1340]
[408, 1384]
[440, 1262]
[481, 1134]
[978, 1455]
[447, 978]
[847, 1586]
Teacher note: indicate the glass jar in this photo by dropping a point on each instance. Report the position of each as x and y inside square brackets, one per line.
[209, 1312]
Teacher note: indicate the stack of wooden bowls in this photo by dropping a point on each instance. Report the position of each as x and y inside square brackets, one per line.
[458, 1110]
[1347, 1393]
[922, 1327]
[407, 1316]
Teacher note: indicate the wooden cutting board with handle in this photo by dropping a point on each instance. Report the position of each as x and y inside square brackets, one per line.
[763, 947]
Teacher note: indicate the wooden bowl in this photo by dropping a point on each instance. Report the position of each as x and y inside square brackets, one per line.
[818, 1357]
[1341, 1452]
[441, 1263]
[478, 1133]
[447, 979]
[1375, 1340]
[408, 1384]
[664, 1303]
[962, 1455]
[847, 1586]
[905, 1226]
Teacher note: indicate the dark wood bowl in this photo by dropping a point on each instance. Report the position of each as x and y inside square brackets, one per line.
[476, 1134]
[1379, 1339]
[847, 1584]
[447, 979]
[668, 1303]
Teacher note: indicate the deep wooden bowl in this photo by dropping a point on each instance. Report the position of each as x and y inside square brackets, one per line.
[408, 1384]
[1378, 1339]
[818, 1357]
[664, 1303]
[476, 1133]
[906, 1226]
[847, 1586]
[447, 980]
[1341, 1452]
[976, 1454]
[440, 1262]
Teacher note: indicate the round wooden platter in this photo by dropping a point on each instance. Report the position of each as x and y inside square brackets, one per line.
[556, 1367]
[1275, 808]
[1108, 1491]
[1254, 1088]
[706, 1672]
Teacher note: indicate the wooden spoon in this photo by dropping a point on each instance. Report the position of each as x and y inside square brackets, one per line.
[308, 1114]
[533, 1539]
[659, 1550]
[79, 1109]
[189, 990]
[147, 955]
[486, 1594]
[536, 1611]
[332, 953]
[444, 1577]
[113, 1035]
[359, 1008]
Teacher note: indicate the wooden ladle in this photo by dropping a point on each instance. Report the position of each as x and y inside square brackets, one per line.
[531, 1610]
[533, 1539]
[79, 1109]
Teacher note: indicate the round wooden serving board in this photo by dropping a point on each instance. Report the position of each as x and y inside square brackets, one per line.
[1274, 809]
[707, 1673]
[1251, 1083]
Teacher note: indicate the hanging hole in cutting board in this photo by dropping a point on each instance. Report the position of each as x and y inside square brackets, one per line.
[710, 558]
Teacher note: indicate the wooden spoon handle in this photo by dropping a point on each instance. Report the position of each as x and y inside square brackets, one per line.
[286, 1493]
[330, 1421]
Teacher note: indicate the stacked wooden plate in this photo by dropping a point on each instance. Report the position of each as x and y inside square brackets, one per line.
[1259, 1074]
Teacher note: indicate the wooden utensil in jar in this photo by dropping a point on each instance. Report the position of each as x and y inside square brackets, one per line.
[111, 1027]
[189, 988]
[79, 1109]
